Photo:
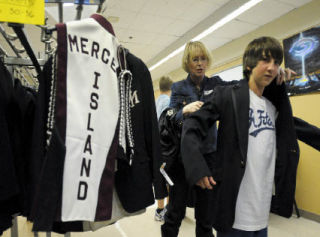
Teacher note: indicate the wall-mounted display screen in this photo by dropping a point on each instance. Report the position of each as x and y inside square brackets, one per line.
[302, 54]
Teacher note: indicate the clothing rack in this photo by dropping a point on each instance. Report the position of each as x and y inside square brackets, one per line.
[11, 61]
[3, 52]
[7, 38]
[17, 28]
[46, 37]
[18, 74]
[80, 4]
[15, 233]
[79, 9]
[18, 60]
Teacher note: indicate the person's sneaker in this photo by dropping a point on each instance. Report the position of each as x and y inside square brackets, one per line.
[165, 208]
[159, 214]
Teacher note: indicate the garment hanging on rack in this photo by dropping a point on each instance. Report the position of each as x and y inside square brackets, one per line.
[16, 114]
[87, 73]
[86, 116]
[89, 90]
[9, 186]
[133, 183]
[25, 103]
[25, 106]
[8, 182]
[18, 59]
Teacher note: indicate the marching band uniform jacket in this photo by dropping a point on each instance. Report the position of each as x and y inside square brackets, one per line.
[132, 183]
[230, 105]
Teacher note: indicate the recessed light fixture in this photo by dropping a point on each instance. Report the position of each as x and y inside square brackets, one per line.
[212, 28]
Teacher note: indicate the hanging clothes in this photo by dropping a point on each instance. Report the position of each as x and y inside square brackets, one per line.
[24, 106]
[16, 114]
[87, 109]
[8, 181]
[9, 185]
[78, 163]
[134, 183]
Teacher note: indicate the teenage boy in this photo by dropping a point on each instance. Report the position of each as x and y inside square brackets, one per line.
[256, 146]
[162, 103]
[163, 100]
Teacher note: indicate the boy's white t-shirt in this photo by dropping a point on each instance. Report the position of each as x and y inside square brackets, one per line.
[254, 198]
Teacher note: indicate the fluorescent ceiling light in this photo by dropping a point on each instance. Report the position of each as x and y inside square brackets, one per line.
[212, 28]
[226, 19]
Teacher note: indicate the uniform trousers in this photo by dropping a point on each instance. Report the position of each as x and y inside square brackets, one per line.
[176, 208]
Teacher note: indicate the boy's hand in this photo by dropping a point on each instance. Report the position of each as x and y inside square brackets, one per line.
[206, 182]
[192, 107]
[285, 75]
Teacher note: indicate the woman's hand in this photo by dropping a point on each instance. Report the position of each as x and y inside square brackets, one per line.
[206, 182]
[285, 75]
[192, 107]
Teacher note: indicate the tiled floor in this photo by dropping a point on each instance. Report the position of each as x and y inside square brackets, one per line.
[144, 225]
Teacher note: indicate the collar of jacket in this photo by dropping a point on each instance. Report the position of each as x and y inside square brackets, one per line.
[190, 81]
[103, 22]
[240, 98]
[240, 101]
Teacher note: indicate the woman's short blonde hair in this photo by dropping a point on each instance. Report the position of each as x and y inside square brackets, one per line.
[190, 50]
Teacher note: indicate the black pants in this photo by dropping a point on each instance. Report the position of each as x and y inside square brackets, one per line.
[242, 233]
[176, 209]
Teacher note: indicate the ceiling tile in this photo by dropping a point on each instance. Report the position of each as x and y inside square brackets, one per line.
[296, 3]
[234, 29]
[212, 42]
[126, 17]
[261, 13]
[143, 37]
[137, 49]
[130, 5]
[164, 40]
[198, 10]
[172, 64]
[70, 12]
[204, 7]
[153, 7]
[178, 27]
[150, 23]
[167, 8]
[130, 36]
[149, 52]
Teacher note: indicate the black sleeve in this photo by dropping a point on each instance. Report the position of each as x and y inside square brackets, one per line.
[307, 133]
[194, 129]
[152, 136]
[221, 82]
